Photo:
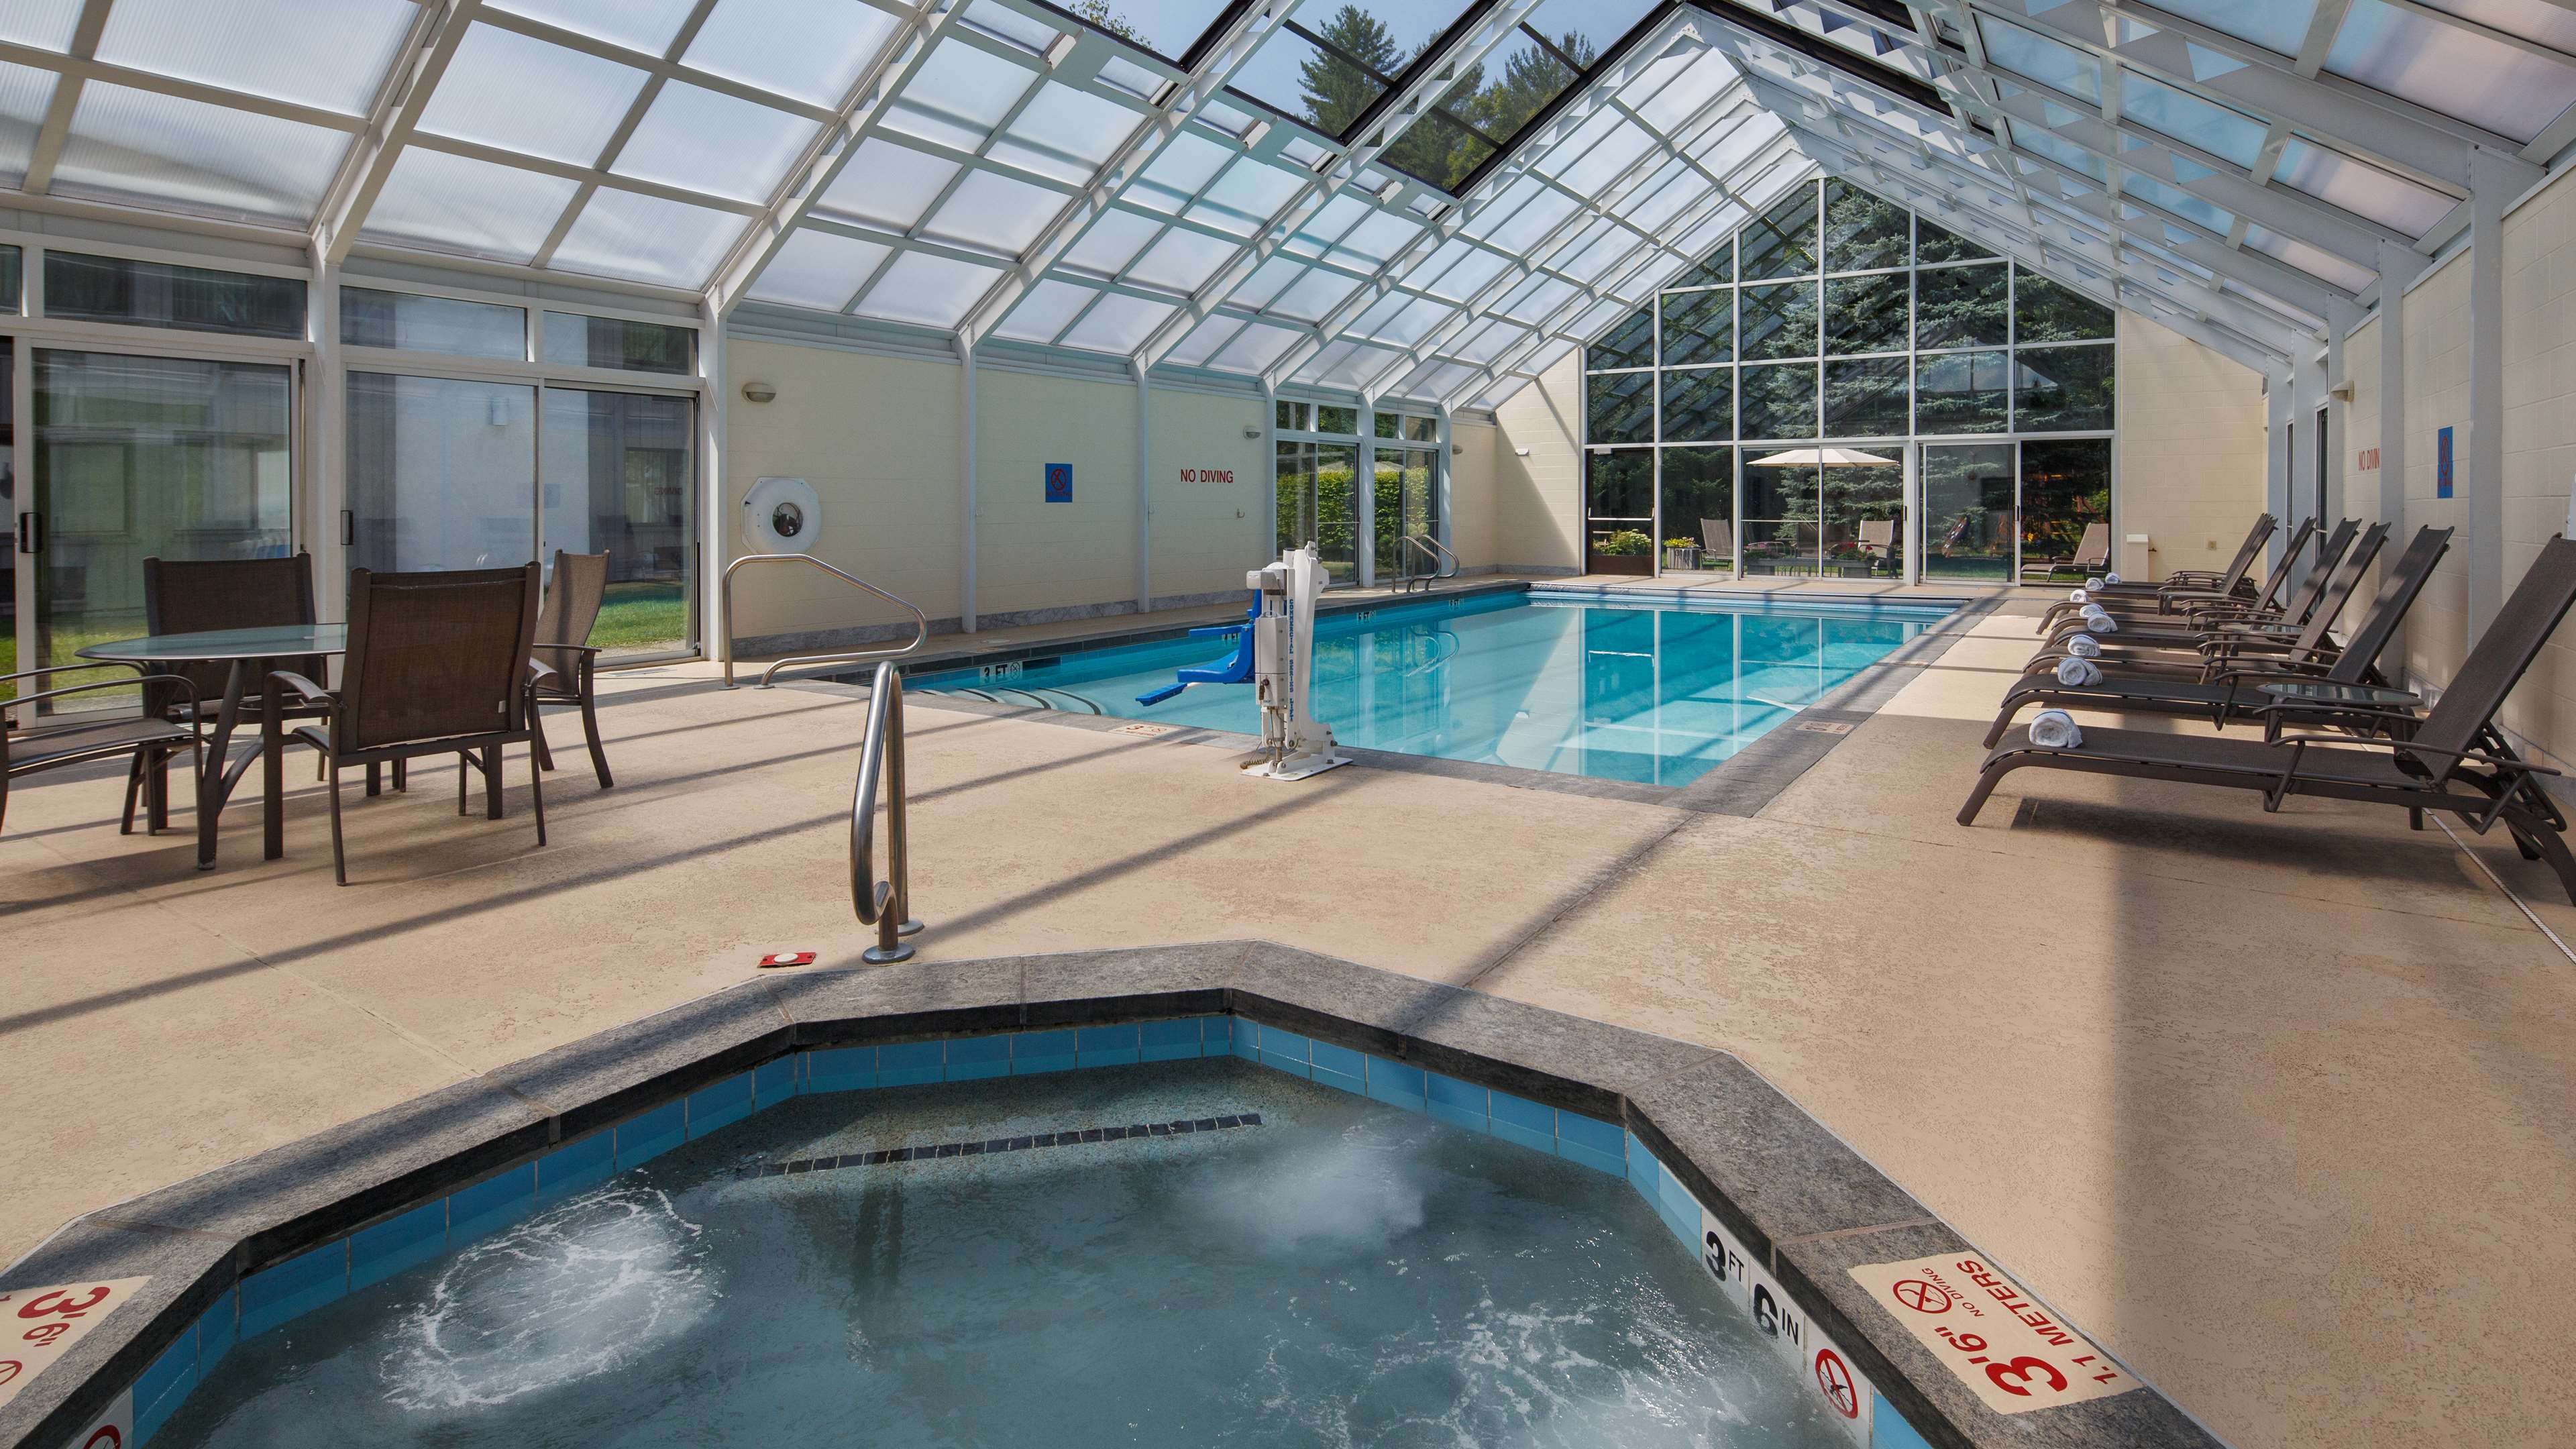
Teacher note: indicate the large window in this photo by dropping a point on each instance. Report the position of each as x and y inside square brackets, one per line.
[1839, 319]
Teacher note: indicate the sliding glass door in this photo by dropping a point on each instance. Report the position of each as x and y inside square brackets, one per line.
[1996, 512]
[1969, 524]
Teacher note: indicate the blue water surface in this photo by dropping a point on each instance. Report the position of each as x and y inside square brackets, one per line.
[1655, 695]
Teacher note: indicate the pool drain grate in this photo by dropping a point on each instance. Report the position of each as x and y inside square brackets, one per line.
[1069, 1138]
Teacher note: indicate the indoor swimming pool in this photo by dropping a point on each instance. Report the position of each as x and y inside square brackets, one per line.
[1570, 684]
[1191, 1251]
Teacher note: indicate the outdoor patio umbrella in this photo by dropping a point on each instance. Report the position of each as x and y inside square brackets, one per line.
[1820, 458]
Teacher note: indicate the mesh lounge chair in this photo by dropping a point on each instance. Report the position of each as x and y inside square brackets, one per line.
[573, 597]
[2452, 760]
[2065, 612]
[438, 664]
[2231, 677]
[2228, 580]
[2155, 631]
[2092, 551]
[150, 736]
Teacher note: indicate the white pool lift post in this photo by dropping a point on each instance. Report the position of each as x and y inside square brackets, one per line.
[1294, 744]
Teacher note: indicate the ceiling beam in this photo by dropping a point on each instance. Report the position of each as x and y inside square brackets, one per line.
[409, 84]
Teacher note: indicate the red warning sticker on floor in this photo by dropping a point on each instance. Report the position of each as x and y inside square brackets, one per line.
[2012, 1352]
[39, 1325]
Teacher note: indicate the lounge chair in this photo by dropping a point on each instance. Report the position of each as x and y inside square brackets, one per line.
[2451, 760]
[438, 664]
[573, 598]
[2230, 681]
[1717, 539]
[2184, 631]
[2184, 600]
[2092, 554]
[2227, 580]
[30, 742]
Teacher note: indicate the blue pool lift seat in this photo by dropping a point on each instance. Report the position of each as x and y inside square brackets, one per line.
[1237, 670]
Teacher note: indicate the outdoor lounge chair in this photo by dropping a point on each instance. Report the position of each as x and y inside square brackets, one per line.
[2230, 682]
[149, 735]
[573, 597]
[2225, 581]
[2185, 631]
[2092, 554]
[2168, 598]
[2451, 760]
[438, 664]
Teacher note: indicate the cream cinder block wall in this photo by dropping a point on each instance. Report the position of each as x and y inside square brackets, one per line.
[2361, 435]
[1538, 499]
[2191, 447]
[1031, 554]
[2437, 396]
[2540, 437]
[1211, 492]
[1472, 514]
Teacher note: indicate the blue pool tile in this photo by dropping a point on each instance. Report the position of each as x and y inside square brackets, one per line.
[1457, 1103]
[911, 1063]
[1680, 1210]
[1108, 1046]
[648, 1135]
[1599, 1145]
[298, 1285]
[1216, 1035]
[486, 1206]
[1247, 1039]
[1041, 1051]
[840, 1069]
[773, 1083]
[721, 1105]
[415, 1237]
[171, 1376]
[1519, 1120]
[1395, 1084]
[1344, 1081]
[973, 1057]
[575, 1167]
[217, 1329]
[1888, 1429]
[1331, 1058]
[1168, 1041]
[1285, 1050]
[1641, 1170]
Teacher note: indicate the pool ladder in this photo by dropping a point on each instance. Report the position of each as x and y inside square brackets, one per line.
[920, 621]
[885, 904]
[1444, 562]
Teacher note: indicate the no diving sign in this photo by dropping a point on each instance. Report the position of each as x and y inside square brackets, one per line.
[1979, 1323]
[1847, 1396]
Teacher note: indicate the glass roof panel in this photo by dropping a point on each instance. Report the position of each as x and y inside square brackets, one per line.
[2176, 200]
[1128, 76]
[1267, 282]
[2042, 142]
[2444, 68]
[1026, 31]
[2178, 113]
[504, 89]
[1469, 276]
[161, 151]
[1168, 28]
[25, 95]
[1112, 242]
[1182, 261]
[626, 234]
[44, 24]
[646, 25]
[1065, 134]
[933, 291]
[2275, 25]
[818, 269]
[455, 203]
[1497, 338]
[2306, 258]
[1535, 299]
[1380, 236]
[889, 184]
[330, 54]
[2552, 25]
[1254, 349]
[1204, 341]
[2050, 62]
[2360, 188]
[715, 143]
[1187, 164]
[1118, 324]
[958, 96]
[995, 213]
[812, 50]
[1413, 323]
[1358, 365]
[1315, 294]
[1047, 309]
[1523, 230]
[1248, 195]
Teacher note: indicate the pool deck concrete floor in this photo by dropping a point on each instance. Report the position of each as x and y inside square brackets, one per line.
[2274, 1106]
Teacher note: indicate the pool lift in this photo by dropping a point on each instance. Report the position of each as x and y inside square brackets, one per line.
[1274, 653]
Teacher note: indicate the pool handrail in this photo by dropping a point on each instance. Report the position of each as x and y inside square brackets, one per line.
[1445, 562]
[920, 621]
[885, 904]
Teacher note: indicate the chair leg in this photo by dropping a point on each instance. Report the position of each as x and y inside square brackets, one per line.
[402, 776]
[590, 731]
[133, 789]
[339, 852]
[1986, 782]
[536, 792]
[492, 782]
[537, 748]
[464, 763]
[375, 780]
[156, 797]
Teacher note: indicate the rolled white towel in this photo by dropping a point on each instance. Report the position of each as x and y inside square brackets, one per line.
[2079, 597]
[2101, 624]
[2083, 647]
[2095, 583]
[2078, 671]
[2054, 729]
[2110, 578]
[2096, 611]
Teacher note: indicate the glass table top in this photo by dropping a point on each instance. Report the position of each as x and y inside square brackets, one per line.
[2323, 691]
[285, 642]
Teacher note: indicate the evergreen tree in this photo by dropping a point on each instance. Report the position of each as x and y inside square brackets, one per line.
[1335, 90]
[1098, 13]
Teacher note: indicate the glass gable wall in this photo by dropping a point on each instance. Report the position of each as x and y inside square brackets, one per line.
[1841, 389]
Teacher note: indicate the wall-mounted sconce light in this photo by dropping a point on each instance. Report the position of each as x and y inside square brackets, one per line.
[1457, 450]
[759, 392]
[1252, 433]
[2340, 392]
[1524, 452]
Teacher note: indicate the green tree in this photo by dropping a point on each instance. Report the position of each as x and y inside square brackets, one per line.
[1334, 89]
[1100, 16]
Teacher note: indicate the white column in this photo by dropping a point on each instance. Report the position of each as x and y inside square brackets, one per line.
[2492, 182]
[1445, 497]
[1364, 497]
[1144, 491]
[714, 523]
[1909, 527]
[970, 505]
[2276, 457]
[2398, 267]
[2342, 318]
[2307, 389]
[326, 458]
[1269, 550]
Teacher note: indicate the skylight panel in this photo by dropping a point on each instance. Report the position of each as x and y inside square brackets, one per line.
[1358, 365]
[2040, 141]
[1535, 299]
[458, 204]
[1315, 294]
[2313, 260]
[1118, 324]
[808, 50]
[645, 25]
[995, 213]
[2276, 25]
[1556, 159]
[2551, 25]
[2178, 113]
[932, 291]
[1327, 226]
[505, 90]
[26, 93]
[1607, 161]
[958, 96]
[1482, 220]
[2178, 201]
[1377, 314]
[2447, 69]
[43, 24]
[1204, 341]
[2050, 62]
[818, 269]
[1182, 261]
[1169, 29]
[330, 54]
[1112, 242]
[1004, 23]
[1251, 190]
[628, 234]
[1534, 221]
[1187, 164]
[1128, 76]
[705, 141]
[2360, 188]
[1498, 338]
[1045, 310]
[132, 145]
[1415, 322]
[1663, 196]
[1380, 236]
[1676, 86]
[1267, 281]
[887, 183]
[1066, 134]
[1254, 349]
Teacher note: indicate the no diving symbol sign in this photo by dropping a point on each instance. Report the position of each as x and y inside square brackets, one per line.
[1834, 1381]
[1923, 1297]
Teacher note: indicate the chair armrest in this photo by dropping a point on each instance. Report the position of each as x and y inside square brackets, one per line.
[2479, 757]
[568, 648]
[539, 673]
[310, 692]
[12, 703]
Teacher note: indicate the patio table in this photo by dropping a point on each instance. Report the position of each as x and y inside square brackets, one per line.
[242, 649]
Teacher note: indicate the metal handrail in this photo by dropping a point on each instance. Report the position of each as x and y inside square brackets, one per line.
[920, 620]
[1445, 562]
[885, 904]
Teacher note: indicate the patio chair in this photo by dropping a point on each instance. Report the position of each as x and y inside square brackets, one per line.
[1717, 537]
[2169, 599]
[2231, 681]
[573, 598]
[149, 735]
[2228, 580]
[2167, 631]
[438, 664]
[2452, 760]
[196, 596]
[2092, 552]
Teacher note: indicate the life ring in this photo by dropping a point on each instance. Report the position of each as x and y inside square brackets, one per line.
[782, 515]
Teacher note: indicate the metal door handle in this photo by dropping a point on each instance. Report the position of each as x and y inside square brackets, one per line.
[31, 532]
